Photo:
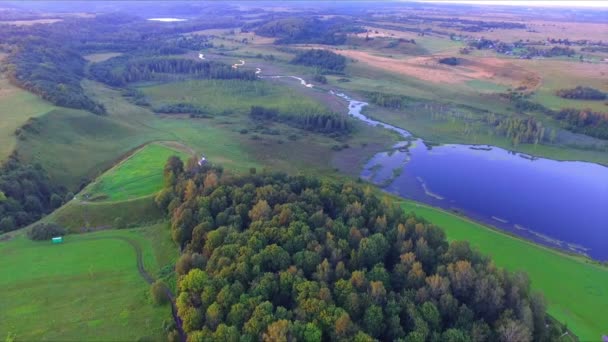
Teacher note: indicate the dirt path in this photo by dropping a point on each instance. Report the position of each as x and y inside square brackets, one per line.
[149, 278]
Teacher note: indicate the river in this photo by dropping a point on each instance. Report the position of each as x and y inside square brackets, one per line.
[560, 204]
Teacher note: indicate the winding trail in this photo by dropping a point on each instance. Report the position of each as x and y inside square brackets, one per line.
[148, 278]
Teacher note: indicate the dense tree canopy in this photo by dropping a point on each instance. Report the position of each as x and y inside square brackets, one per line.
[26, 194]
[582, 93]
[272, 257]
[322, 59]
[120, 71]
[296, 30]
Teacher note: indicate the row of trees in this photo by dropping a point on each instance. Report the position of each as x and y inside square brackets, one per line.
[26, 194]
[272, 257]
[324, 60]
[325, 122]
[122, 70]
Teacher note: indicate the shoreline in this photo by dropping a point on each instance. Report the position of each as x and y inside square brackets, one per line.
[494, 229]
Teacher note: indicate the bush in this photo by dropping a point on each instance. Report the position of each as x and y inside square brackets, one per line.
[158, 290]
[450, 61]
[45, 231]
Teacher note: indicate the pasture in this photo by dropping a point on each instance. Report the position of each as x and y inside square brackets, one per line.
[573, 287]
[139, 175]
[231, 96]
[16, 107]
[86, 288]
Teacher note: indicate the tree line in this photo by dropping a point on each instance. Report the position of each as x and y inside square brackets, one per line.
[52, 72]
[273, 257]
[325, 122]
[122, 70]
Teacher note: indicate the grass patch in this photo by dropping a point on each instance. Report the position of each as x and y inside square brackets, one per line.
[574, 288]
[137, 176]
[87, 288]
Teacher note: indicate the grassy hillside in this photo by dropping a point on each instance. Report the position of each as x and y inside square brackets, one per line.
[78, 216]
[86, 288]
[574, 288]
[137, 176]
[16, 107]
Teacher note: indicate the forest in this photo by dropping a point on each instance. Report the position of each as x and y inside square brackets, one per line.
[53, 73]
[26, 194]
[273, 257]
[308, 30]
[119, 71]
[325, 122]
[324, 60]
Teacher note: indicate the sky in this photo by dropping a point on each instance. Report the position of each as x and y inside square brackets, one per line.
[547, 3]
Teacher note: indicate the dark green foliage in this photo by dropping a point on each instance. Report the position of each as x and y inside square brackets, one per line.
[322, 59]
[45, 231]
[321, 260]
[325, 122]
[582, 93]
[320, 79]
[308, 30]
[180, 108]
[54, 73]
[122, 70]
[26, 194]
[584, 121]
[450, 61]
[159, 292]
[392, 101]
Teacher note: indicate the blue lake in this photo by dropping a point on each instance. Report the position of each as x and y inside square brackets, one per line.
[561, 204]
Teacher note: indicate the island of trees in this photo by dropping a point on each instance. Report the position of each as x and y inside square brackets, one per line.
[324, 60]
[582, 93]
[273, 257]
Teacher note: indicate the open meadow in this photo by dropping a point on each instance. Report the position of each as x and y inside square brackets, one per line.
[88, 287]
[16, 107]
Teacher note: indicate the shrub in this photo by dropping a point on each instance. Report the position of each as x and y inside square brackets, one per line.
[158, 291]
[450, 61]
[45, 231]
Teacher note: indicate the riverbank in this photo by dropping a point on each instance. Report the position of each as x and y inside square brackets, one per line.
[550, 271]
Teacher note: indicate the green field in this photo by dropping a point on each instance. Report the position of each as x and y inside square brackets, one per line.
[16, 107]
[137, 176]
[575, 289]
[230, 96]
[87, 288]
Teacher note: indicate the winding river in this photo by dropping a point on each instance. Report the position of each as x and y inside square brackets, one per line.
[560, 204]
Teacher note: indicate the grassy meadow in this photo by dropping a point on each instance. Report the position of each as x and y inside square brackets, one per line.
[230, 96]
[16, 107]
[86, 288]
[137, 176]
[573, 287]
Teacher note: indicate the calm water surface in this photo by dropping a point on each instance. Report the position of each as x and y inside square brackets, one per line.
[561, 204]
